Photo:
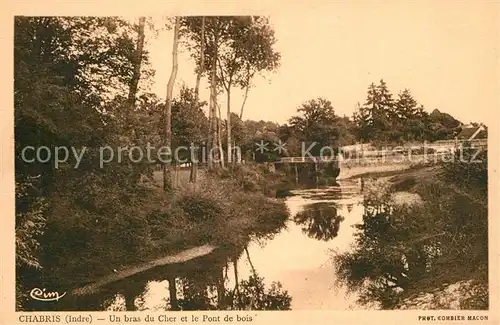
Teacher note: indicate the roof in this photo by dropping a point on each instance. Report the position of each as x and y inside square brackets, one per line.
[469, 133]
[482, 135]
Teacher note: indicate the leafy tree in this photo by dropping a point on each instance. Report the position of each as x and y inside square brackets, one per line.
[317, 124]
[442, 126]
[167, 181]
[248, 51]
[60, 100]
[215, 32]
[237, 49]
[189, 122]
[30, 225]
[347, 131]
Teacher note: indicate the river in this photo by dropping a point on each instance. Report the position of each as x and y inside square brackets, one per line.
[299, 257]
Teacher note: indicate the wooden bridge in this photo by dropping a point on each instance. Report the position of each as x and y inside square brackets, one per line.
[382, 160]
[371, 160]
[440, 149]
[310, 159]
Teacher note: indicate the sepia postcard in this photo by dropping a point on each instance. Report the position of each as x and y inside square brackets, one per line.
[319, 162]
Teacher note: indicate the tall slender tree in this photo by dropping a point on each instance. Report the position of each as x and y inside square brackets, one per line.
[247, 50]
[167, 181]
[200, 69]
[137, 61]
[237, 48]
[134, 82]
[212, 133]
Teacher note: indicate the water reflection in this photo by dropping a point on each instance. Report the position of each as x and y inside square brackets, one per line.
[291, 271]
[331, 194]
[319, 220]
[349, 207]
[197, 293]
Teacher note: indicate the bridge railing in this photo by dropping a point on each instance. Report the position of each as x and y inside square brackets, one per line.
[306, 159]
[473, 141]
[400, 158]
[436, 145]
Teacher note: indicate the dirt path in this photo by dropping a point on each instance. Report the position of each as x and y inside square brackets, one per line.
[181, 257]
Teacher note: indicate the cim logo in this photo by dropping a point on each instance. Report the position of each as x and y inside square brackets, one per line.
[43, 295]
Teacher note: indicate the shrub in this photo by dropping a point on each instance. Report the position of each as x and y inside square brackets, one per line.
[404, 251]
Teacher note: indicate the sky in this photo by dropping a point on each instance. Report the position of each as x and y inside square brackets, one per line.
[445, 52]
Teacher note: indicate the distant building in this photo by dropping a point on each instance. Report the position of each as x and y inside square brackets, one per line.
[470, 132]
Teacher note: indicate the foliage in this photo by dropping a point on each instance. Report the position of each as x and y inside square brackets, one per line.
[199, 293]
[383, 119]
[70, 80]
[254, 296]
[402, 251]
[468, 170]
[236, 49]
[230, 202]
[189, 123]
[30, 224]
[244, 46]
[317, 125]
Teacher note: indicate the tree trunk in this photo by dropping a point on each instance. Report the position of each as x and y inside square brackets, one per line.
[237, 154]
[130, 303]
[237, 286]
[219, 137]
[250, 262]
[174, 303]
[194, 172]
[134, 83]
[229, 143]
[247, 88]
[213, 154]
[167, 181]
[201, 68]
[209, 144]
[221, 290]
[244, 100]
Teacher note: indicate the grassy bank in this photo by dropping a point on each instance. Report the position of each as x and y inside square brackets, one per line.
[226, 208]
[409, 255]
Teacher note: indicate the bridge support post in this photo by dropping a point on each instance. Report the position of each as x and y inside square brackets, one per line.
[296, 175]
[316, 172]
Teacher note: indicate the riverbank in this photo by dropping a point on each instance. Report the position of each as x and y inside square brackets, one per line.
[225, 208]
[181, 257]
[427, 228]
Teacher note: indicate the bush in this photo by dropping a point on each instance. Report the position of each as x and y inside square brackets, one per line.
[201, 208]
[406, 251]
[469, 170]
[231, 213]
